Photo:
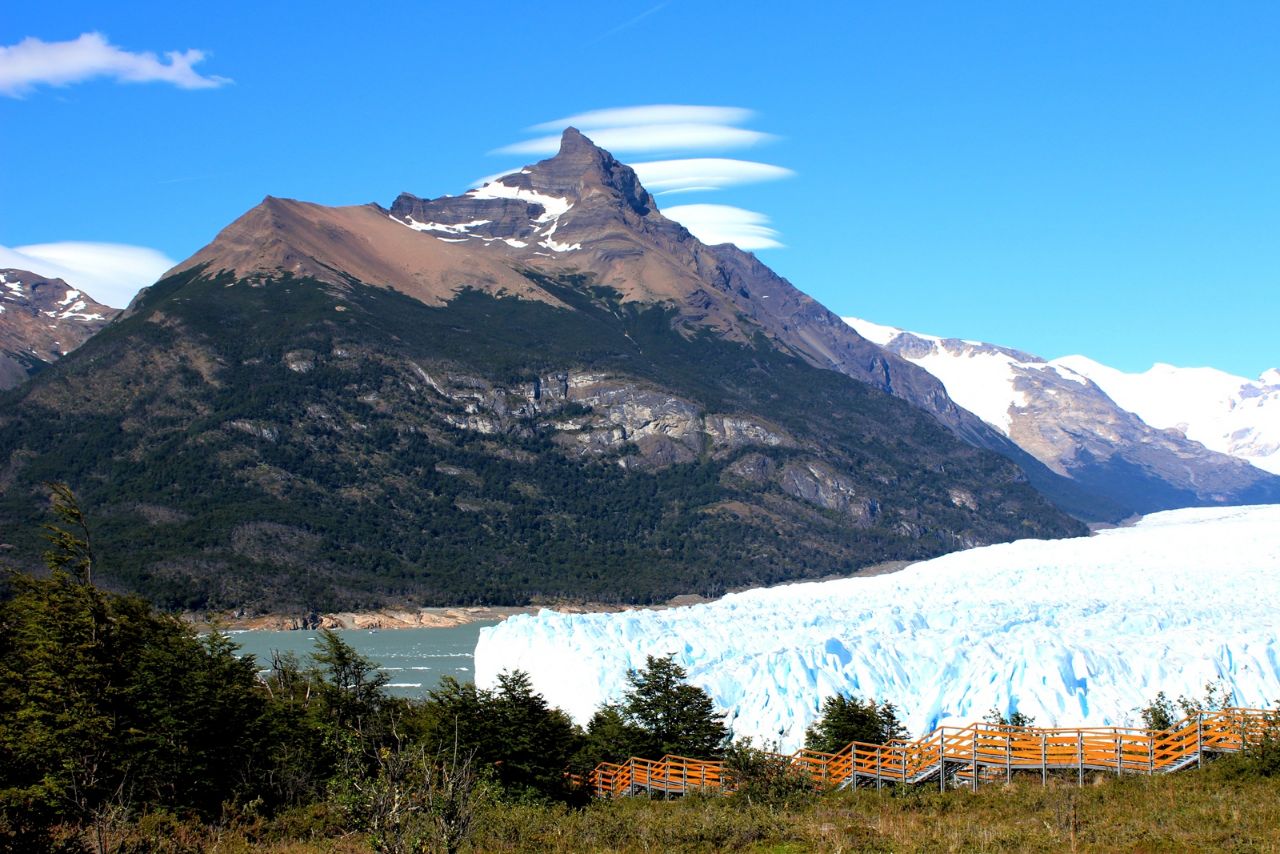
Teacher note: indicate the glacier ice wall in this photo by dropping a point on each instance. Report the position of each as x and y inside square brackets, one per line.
[1076, 631]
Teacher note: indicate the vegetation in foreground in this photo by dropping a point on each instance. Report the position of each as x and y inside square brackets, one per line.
[1218, 809]
[122, 731]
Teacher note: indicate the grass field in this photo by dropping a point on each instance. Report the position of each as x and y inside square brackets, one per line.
[1219, 809]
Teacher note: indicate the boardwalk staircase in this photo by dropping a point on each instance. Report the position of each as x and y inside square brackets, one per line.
[969, 756]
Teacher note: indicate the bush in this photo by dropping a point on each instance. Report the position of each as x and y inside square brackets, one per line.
[1260, 759]
[765, 776]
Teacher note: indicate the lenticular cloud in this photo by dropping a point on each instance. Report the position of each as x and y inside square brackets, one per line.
[714, 224]
[655, 114]
[1071, 632]
[676, 129]
[111, 273]
[648, 138]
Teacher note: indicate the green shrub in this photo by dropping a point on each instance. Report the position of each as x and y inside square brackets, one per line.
[765, 776]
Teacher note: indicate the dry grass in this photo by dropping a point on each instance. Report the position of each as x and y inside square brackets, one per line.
[1191, 812]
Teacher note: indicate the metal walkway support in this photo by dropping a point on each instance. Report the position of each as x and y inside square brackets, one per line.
[973, 754]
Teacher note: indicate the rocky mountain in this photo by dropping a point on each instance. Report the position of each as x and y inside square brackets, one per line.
[1065, 420]
[540, 389]
[581, 211]
[41, 320]
[1223, 412]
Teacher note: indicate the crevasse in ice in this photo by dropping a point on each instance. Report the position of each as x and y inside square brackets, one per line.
[1075, 631]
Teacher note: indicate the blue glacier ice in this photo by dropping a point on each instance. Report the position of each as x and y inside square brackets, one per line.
[1075, 631]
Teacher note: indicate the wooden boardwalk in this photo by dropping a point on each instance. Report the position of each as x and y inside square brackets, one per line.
[969, 756]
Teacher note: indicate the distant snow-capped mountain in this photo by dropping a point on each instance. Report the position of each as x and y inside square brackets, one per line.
[1223, 412]
[41, 320]
[1058, 414]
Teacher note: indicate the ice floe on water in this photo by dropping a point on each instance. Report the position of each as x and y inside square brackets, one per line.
[1075, 631]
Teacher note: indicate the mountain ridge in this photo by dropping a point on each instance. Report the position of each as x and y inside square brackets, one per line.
[268, 429]
[588, 213]
[1065, 420]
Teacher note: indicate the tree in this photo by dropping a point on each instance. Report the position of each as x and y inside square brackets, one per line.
[1159, 714]
[349, 683]
[610, 737]
[108, 706]
[510, 732]
[997, 718]
[847, 719]
[71, 546]
[1162, 713]
[1217, 696]
[534, 741]
[670, 715]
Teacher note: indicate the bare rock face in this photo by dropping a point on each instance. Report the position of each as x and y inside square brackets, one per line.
[820, 484]
[41, 320]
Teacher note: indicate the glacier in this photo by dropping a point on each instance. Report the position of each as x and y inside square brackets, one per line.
[1079, 631]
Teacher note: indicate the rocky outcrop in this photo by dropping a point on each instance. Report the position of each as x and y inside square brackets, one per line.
[817, 483]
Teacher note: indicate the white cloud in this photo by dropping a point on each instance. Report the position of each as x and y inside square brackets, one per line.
[704, 173]
[714, 224]
[678, 129]
[657, 137]
[32, 62]
[489, 179]
[111, 273]
[687, 174]
[653, 114]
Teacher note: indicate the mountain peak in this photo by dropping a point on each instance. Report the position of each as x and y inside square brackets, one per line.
[573, 140]
[581, 167]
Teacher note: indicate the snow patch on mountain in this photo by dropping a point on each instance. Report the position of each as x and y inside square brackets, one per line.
[1072, 632]
[876, 333]
[553, 206]
[980, 377]
[455, 228]
[1224, 412]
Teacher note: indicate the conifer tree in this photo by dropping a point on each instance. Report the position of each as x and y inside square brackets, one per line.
[672, 716]
[846, 719]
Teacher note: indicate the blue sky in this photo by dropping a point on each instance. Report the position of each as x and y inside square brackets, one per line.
[1101, 178]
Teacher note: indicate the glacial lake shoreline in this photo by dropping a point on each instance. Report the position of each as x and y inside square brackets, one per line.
[407, 618]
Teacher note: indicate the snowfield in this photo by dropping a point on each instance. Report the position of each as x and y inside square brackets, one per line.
[1076, 631]
[1223, 412]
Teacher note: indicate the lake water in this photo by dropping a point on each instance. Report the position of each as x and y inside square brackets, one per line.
[413, 659]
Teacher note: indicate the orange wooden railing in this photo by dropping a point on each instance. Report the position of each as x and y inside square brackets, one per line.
[979, 752]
